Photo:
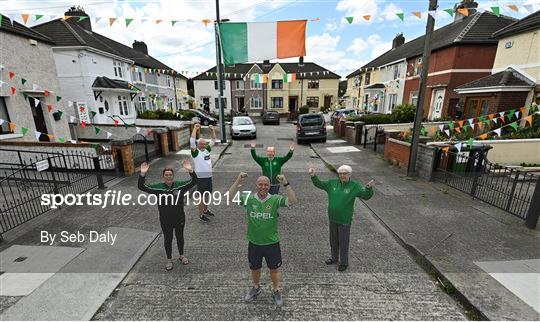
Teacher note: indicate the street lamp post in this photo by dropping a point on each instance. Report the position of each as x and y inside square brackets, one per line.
[421, 91]
[220, 75]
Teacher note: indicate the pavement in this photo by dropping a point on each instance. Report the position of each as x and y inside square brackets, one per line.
[483, 255]
[127, 281]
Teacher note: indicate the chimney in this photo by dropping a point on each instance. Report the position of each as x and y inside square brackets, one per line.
[471, 5]
[398, 41]
[76, 12]
[301, 61]
[140, 46]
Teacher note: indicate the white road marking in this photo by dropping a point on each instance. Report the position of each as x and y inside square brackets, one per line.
[342, 149]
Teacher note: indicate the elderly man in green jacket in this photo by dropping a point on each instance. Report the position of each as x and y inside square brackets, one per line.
[342, 193]
[271, 165]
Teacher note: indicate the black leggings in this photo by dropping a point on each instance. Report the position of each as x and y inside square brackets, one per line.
[167, 226]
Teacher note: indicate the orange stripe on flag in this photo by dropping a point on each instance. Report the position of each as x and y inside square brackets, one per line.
[25, 18]
[483, 136]
[418, 14]
[464, 12]
[490, 117]
[523, 111]
[528, 119]
[367, 17]
[11, 126]
[291, 38]
[513, 7]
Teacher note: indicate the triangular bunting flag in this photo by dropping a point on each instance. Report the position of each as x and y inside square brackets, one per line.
[496, 11]
[46, 93]
[490, 116]
[480, 125]
[37, 17]
[513, 7]
[458, 146]
[36, 102]
[206, 22]
[447, 132]
[445, 150]
[13, 90]
[37, 134]
[81, 18]
[49, 108]
[514, 125]
[109, 134]
[523, 111]
[1, 17]
[173, 22]
[470, 142]
[60, 113]
[72, 119]
[451, 125]
[128, 21]
[2, 121]
[97, 129]
[25, 17]
[73, 141]
[158, 21]
[11, 75]
[23, 81]
[471, 121]
[126, 126]
[83, 124]
[528, 119]
[11, 126]
[367, 17]
[349, 19]
[497, 131]
[450, 12]
[517, 114]
[433, 14]
[111, 21]
[464, 11]
[58, 98]
[483, 136]
[24, 130]
[138, 129]
[441, 126]
[115, 122]
[401, 15]
[62, 140]
[417, 14]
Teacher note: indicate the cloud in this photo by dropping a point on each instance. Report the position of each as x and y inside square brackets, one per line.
[373, 44]
[358, 9]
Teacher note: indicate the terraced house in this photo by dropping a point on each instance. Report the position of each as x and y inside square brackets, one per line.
[106, 79]
[462, 51]
[282, 87]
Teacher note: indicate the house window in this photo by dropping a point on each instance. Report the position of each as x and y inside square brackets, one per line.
[367, 78]
[392, 99]
[254, 84]
[277, 102]
[169, 81]
[418, 66]
[4, 128]
[277, 84]
[141, 103]
[313, 101]
[313, 83]
[255, 102]
[123, 105]
[139, 76]
[239, 85]
[414, 98]
[171, 102]
[118, 68]
[217, 102]
[222, 84]
[396, 72]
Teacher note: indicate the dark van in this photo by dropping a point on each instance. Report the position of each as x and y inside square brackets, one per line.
[310, 127]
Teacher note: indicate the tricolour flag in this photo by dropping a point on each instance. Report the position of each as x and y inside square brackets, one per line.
[255, 41]
[287, 78]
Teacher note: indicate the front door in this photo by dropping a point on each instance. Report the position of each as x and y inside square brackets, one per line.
[39, 119]
[437, 101]
[293, 108]
[241, 107]
[206, 103]
[327, 102]
[476, 106]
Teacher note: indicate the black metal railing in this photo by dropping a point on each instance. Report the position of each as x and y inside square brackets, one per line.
[144, 150]
[23, 182]
[510, 189]
[374, 138]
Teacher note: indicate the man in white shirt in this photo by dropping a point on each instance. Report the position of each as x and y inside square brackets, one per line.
[200, 152]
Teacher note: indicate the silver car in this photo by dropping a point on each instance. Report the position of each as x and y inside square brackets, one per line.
[243, 127]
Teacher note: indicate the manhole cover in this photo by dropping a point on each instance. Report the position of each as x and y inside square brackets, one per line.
[20, 259]
[256, 145]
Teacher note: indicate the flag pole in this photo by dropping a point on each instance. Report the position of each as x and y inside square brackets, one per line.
[220, 75]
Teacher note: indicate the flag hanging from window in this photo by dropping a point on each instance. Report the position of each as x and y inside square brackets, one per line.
[287, 78]
[255, 41]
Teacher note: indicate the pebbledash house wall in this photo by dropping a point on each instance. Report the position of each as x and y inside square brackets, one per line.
[474, 61]
[36, 65]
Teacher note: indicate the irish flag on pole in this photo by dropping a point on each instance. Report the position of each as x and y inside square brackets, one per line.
[254, 41]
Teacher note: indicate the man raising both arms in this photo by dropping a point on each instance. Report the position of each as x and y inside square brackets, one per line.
[200, 152]
[271, 165]
[342, 192]
[262, 232]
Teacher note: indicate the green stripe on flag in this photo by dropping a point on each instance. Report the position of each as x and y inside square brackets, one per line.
[234, 45]
[400, 15]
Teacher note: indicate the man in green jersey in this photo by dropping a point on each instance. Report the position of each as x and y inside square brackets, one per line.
[262, 232]
[271, 165]
[342, 193]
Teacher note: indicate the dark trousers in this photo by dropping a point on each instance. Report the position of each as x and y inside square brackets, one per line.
[339, 242]
[169, 227]
[274, 189]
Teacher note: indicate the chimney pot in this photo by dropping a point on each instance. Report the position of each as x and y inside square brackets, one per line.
[76, 12]
[140, 46]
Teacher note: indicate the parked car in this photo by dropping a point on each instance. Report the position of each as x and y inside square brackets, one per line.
[270, 117]
[342, 112]
[204, 118]
[310, 127]
[243, 126]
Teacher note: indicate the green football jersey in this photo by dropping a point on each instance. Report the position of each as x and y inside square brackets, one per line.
[263, 217]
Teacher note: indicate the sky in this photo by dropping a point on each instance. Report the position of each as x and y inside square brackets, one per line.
[189, 47]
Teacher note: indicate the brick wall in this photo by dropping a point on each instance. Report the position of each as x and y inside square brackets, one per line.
[350, 134]
[397, 152]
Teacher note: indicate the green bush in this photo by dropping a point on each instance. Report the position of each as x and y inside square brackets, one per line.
[404, 113]
[372, 118]
[303, 110]
[186, 115]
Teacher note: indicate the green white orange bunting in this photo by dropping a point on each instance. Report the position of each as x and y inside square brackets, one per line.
[255, 41]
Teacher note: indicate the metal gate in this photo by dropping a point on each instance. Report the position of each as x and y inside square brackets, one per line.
[374, 138]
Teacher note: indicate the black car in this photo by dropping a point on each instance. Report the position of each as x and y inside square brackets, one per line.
[270, 117]
[310, 127]
[205, 119]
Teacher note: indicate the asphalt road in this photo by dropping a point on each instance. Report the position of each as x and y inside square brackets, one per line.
[382, 282]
